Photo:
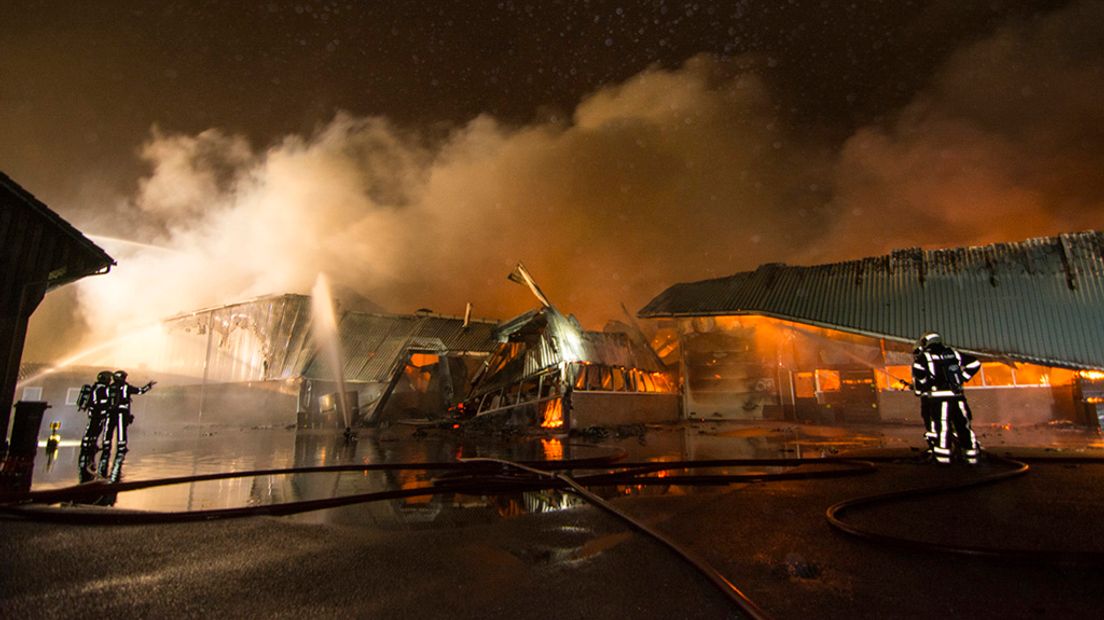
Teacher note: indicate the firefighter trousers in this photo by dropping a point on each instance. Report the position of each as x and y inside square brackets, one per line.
[117, 423]
[948, 418]
[89, 444]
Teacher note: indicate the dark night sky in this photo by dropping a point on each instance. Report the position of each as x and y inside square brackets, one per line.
[615, 147]
[82, 85]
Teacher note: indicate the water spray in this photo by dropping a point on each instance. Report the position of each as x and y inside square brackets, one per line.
[324, 327]
[897, 381]
[84, 353]
[127, 242]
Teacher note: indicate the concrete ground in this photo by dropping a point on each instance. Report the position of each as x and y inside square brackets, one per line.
[769, 538]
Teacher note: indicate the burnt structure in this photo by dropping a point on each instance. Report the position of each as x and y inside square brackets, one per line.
[256, 363]
[548, 372]
[40, 252]
[399, 365]
[832, 342]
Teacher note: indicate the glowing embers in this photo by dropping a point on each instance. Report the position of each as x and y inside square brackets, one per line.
[551, 412]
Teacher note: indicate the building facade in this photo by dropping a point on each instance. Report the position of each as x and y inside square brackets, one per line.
[833, 342]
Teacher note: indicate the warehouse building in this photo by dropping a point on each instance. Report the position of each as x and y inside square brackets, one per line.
[257, 363]
[833, 342]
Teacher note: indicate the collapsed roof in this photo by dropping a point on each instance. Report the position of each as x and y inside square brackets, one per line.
[545, 338]
[1039, 300]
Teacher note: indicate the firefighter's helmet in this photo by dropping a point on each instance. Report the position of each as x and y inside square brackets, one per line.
[929, 339]
[103, 376]
[120, 375]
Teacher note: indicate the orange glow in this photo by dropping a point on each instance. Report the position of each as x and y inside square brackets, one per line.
[663, 382]
[422, 360]
[828, 380]
[553, 449]
[1061, 376]
[804, 385]
[1091, 375]
[997, 374]
[890, 377]
[408, 479]
[419, 379]
[552, 413]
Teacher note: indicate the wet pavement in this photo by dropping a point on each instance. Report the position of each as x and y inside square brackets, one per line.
[546, 553]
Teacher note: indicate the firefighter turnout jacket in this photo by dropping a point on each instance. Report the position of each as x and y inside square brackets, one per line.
[939, 371]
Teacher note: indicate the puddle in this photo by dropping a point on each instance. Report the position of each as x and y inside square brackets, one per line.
[192, 451]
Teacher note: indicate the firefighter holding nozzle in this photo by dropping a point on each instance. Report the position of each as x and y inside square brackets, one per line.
[938, 374]
[119, 418]
[94, 399]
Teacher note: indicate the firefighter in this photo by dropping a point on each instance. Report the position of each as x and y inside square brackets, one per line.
[95, 400]
[938, 374]
[117, 422]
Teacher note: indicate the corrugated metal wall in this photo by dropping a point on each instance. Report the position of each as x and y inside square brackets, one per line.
[373, 343]
[1040, 300]
[263, 339]
[270, 339]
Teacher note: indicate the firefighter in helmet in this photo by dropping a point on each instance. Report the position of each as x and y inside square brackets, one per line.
[95, 400]
[118, 420]
[938, 374]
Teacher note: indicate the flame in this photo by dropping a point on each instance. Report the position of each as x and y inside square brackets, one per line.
[1092, 375]
[552, 413]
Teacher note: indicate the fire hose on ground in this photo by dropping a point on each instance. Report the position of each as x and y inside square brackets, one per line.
[487, 476]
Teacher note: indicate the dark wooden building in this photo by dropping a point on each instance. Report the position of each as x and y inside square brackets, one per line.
[40, 251]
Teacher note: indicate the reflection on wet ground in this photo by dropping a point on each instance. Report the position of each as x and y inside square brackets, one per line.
[192, 451]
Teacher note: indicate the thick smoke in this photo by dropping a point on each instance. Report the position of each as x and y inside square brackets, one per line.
[1007, 143]
[670, 176]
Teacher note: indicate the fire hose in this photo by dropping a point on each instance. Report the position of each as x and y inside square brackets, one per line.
[482, 476]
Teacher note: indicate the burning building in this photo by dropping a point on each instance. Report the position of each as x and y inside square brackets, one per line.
[833, 342]
[548, 372]
[392, 365]
[258, 363]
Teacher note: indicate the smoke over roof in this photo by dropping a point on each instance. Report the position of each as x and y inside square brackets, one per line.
[672, 175]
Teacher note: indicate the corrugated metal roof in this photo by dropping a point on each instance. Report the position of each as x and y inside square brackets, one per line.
[67, 254]
[1039, 300]
[371, 344]
[617, 349]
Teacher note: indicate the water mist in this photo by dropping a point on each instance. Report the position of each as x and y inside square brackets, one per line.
[324, 326]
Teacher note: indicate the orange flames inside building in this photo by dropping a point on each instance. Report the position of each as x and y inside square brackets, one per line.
[552, 413]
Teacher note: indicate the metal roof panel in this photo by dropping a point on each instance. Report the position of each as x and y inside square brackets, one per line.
[1039, 300]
